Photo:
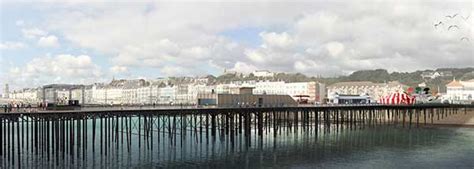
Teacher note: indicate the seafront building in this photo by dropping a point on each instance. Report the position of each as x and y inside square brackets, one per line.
[459, 91]
[161, 91]
[315, 92]
[244, 97]
[30, 95]
[6, 91]
[364, 88]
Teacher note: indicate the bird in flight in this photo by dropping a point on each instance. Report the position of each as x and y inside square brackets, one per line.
[465, 18]
[452, 16]
[437, 24]
[465, 38]
[453, 26]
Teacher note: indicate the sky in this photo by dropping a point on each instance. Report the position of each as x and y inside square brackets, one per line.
[86, 41]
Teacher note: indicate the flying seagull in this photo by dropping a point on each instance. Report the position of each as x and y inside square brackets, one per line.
[453, 26]
[465, 38]
[465, 18]
[452, 16]
[437, 24]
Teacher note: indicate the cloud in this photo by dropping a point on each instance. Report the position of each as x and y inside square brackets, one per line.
[316, 37]
[301, 66]
[151, 54]
[244, 67]
[174, 70]
[118, 69]
[274, 40]
[62, 68]
[335, 48]
[396, 36]
[48, 41]
[256, 56]
[33, 33]
[11, 45]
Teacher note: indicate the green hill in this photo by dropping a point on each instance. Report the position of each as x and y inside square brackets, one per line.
[377, 75]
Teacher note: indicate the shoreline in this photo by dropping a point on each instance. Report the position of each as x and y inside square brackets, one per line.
[462, 119]
[448, 125]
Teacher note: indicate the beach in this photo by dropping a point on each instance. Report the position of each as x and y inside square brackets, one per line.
[462, 119]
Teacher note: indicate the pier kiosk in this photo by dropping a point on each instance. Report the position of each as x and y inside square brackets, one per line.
[63, 96]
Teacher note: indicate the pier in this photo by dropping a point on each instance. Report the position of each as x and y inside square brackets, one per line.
[56, 139]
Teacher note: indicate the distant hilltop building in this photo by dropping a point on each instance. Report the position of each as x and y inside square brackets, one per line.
[6, 91]
[460, 91]
[256, 73]
[263, 73]
[371, 89]
[232, 72]
[435, 74]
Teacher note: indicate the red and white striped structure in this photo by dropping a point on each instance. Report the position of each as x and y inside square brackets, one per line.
[397, 98]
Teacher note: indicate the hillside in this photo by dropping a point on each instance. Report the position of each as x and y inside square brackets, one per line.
[378, 75]
[412, 78]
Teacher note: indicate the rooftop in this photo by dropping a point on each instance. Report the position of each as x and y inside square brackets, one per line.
[454, 83]
[364, 83]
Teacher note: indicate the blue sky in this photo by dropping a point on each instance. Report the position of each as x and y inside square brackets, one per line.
[245, 35]
[86, 41]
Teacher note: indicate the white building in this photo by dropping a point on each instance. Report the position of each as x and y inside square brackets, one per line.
[374, 90]
[263, 73]
[88, 94]
[62, 96]
[107, 95]
[227, 88]
[167, 95]
[114, 95]
[159, 91]
[26, 95]
[201, 80]
[6, 91]
[144, 95]
[460, 91]
[435, 74]
[315, 92]
[268, 87]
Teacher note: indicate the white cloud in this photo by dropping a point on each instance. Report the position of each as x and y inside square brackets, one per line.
[335, 48]
[33, 33]
[243, 67]
[316, 37]
[274, 40]
[11, 45]
[396, 36]
[256, 56]
[304, 66]
[48, 41]
[58, 69]
[197, 52]
[118, 69]
[172, 70]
